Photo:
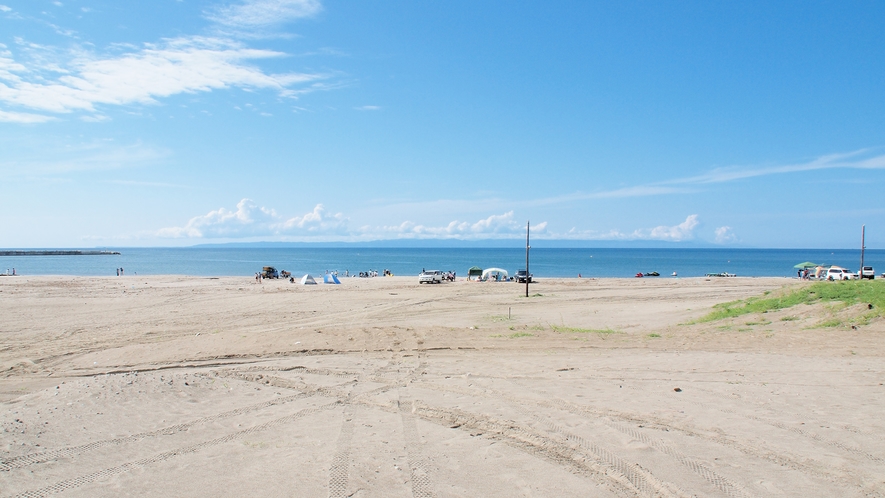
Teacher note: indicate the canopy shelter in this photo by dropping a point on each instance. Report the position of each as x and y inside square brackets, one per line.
[474, 273]
[499, 274]
[807, 264]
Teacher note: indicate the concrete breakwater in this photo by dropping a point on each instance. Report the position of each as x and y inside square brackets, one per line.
[58, 253]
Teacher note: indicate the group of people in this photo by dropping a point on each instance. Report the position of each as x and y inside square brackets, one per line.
[119, 272]
[13, 272]
[806, 275]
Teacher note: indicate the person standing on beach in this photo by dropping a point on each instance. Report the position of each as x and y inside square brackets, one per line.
[118, 272]
[121, 271]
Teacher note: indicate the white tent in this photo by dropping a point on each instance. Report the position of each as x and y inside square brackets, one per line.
[488, 271]
[308, 280]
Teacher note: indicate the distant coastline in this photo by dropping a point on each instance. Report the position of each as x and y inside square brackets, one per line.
[59, 253]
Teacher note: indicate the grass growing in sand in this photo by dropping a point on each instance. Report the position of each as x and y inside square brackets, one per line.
[514, 335]
[575, 330]
[843, 294]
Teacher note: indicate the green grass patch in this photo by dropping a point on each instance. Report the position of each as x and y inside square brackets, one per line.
[654, 335]
[758, 323]
[520, 334]
[790, 318]
[575, 330]
[832, 322]
[499, 318]
[845, 293]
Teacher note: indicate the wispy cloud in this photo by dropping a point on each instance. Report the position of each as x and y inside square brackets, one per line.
[79, 78]
[635, 191]
[23, 117]
[368, 108]
[182, 65]
[256, 14]
[135, 183]
[859, 159]
[251, 220]
[92, 156]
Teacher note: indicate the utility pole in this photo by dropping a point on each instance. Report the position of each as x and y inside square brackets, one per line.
[527, 247]
[863, 233]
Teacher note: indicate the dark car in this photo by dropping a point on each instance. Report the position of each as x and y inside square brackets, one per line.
[523, 276]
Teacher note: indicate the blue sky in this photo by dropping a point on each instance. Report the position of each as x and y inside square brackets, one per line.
[169, 123]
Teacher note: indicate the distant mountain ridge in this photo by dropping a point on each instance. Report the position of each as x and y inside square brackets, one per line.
[486, 243]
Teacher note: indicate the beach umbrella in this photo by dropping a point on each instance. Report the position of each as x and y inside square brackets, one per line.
[807, 264]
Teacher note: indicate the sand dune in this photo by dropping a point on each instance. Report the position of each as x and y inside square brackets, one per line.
[382, 387]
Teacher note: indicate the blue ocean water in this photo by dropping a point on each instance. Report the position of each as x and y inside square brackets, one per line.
[544, 262]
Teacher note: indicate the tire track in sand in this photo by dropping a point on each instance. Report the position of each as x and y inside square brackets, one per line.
[340, 470]
[730, 488]
[72, 451]
[75, 482]
[419, 474]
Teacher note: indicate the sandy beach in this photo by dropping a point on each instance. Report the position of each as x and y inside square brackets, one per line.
[194, 386]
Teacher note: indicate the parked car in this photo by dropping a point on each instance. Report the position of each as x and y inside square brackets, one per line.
[430, 277]
[867, 272]
[837, 273]
[522, 276]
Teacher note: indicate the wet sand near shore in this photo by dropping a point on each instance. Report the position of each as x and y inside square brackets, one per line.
[200, 386]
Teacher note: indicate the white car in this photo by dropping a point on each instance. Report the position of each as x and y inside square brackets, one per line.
[836, 273]
[867, 272]
[430, 277]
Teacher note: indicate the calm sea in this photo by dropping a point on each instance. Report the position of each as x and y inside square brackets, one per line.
[545, 262]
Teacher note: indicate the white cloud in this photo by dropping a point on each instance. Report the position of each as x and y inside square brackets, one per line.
[22, 117]
[724, 235]
[252, 14]
[95, 118]
[682, 231]
[250, 220]
[4, 8]
[677, 233]
[368, 108]
[495, 226]
[183, 65]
